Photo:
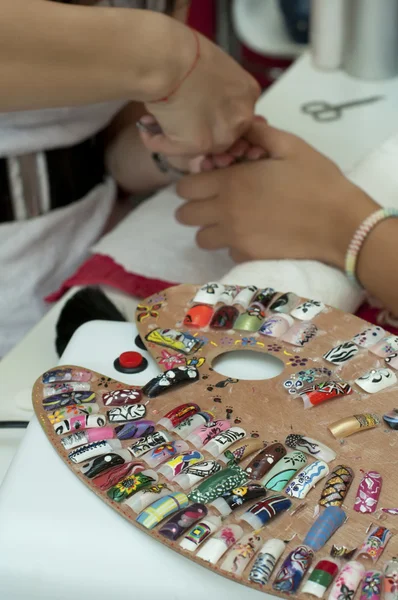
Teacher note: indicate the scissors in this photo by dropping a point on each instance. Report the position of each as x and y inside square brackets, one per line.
[324, 112]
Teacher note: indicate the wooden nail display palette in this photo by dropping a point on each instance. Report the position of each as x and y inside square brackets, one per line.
[177, 328]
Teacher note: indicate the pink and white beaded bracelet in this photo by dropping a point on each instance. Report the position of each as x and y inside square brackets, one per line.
[360, 236]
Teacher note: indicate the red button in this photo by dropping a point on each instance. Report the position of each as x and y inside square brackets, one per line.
[130, 360]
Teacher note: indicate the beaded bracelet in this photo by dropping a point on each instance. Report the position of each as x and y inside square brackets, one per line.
[360, 236]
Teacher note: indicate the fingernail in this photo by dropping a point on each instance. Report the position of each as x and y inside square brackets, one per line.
[255, 154]
[324, 527]
[368, 492]
[376, 380]
[293, 570]
[260, 118]
[375, 543]
[307, 479]
[284, 470]
[148, 124]
[337, 486]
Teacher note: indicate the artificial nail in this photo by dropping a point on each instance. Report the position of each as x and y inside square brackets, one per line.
[148, 124]
[369, 336]
[176, 340]
[122, 397]
[263, 511]
[342, 552]
[391, 418]
[308, 310]
[298, 382]
[240, 555]
[150, 441]
[228, 295]
[281, 473]
[72, 411]
[293, 570]
[135, 429]
[178, 464]
[85, 437]
[162, 508]
[327, 523]
[206, 432]
[224, 317]
[177, 415]
[251, 319]
[342, 353]
[131, 484]
[130, 412]
[148, 496]
[387, 346]
[241, 450]
[348, 581]
[171, 378]
[307, 479]
[265, 460]
[337, 486]
[320, 578]
[161, 454]
[276, 326]
[79, 422]
[392, 360]
[371, 586]
[209, 294]
[196, 473]
[234, 499]
[191, 423]
[368, 492]
[198, 316]
[376, 380]
[300, 334]
[221, 541]
[266, 560]
[180, 522]
[245, 296]
[198, 534]
[94, 449]
[218, 484]
[265, 296]
[285, 303]
[55, 389]
[375, 543]
[99, 465]
[65, 375]
[310, 446]
[391, 580]
[68, 398]
[350, 425]
[327, 390]
[112, 477]
[224, 440]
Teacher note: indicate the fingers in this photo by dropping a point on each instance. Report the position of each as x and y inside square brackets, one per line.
[277, 143]
[199, 187]
[198, 213]
[211, 238]
[237, 256]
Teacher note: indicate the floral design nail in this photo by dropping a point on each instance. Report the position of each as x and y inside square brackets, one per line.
[171, 360]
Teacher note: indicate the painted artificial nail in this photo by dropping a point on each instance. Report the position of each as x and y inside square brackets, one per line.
[245, 296]
[369, 336]
[87, 436]
[391, 418]
[177, 415]
[310, 446]
[103, 463]
[300, 334]
[130, 412]
[321, 578]
[390, 511]
[221, 541]
[308, 310]
[375, 543]
[176, 340]
[285, 303]
[342, 552]
[150, 441]
[79, 422]
[241, 450]
[263, 462]
[178, 464]
[228, 295]
[63, 375]
[276, 326]
[72, 411]
[206, 432]
[197, 473]
[94, 449]
[293, 570]
[122, 397]
[390, 586]
[182, 521]
[111, 477]
[281, 473]
[372, 587]
[298, 382]
[307, 479]
[209, 294]
[237, 497]
[265, 296]
[337, 486]
[147, 496]
[368, 492]
[392, 360]
[342, 353]
[327, 523]
[251, 320]
[224, 440]
[131, 484]
[347, 581]
[263, 511]
[198, 316]
[387, 346]
[189, 425]
[198, 534]
[161, 509]
[241, 554]
[218, 484]
[165, 452]
[135, 429]
[266, 561]
[376, 380]
[321, 392]
[67, 399]
[171, 378]
[55, 389]
[224, 317]
[350, 425]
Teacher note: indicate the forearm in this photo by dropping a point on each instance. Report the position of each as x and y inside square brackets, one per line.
[60, 55]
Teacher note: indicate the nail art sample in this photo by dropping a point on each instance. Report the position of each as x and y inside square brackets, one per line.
[68, 398]
[229, 294]
[131, 484]
[266, 560]
[372, 586]
[308, 310]
[161, 509]
[191, 423]
[55, 389]
[198, 316]
[134, 429]
[72, 411]
[241, 450]
[241, 554]
[122, 397]
[224, 440]
[307, 479]
[171, 378]
[276, 326]
[218, 484]
[200, 533]
[368, 492]
[263, 462]
[392, 360]
[64, 375]
[121, 414]
[350, 425]
[224, 317]
[265, 296]
[94, 449]
[337, 486]
[321, 392]
[165, 452]
[209, 294]
[221, 541]
[197, 473]
[234, 499]
[113, 476]
[387, 346]
[285, 303]
[375, 544]
[376, 380]
[251, 319]
[298, 381]
[263, 511]
[147, 443]
[98, 465]
[177, 415]
[321, 577]
[300, 334]
[293, 570]
[281, 473]
[391, 580]
[180, 463]
[342, 552]
[176, 340]
[182, 521]
[148, 496]
[324, 527]
[245, 296]
[369, 336]
[206, 432]
[342, 353]
[87, 436]
[79, 422]
[310, 446]
[347, 581]
[391, 418]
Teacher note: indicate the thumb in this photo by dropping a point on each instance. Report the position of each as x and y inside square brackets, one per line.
[277, 143]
